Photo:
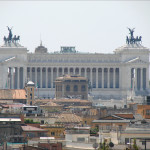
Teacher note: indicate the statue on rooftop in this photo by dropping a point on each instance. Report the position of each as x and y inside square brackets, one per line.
[10, 37]
[131, 32]
[10, 34]
[131, 39]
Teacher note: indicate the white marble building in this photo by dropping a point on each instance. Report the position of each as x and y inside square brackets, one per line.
[109, 74]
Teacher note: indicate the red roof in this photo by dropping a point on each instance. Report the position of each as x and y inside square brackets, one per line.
[12, 94]
[126, 116]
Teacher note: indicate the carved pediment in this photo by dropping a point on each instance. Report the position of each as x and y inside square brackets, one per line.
[11, 59]
[136, 60]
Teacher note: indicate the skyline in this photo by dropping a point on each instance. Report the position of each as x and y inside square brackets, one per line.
[89, 26]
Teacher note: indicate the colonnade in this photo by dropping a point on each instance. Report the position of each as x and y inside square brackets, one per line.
[44, 77]
[138, 78]
[103, 78]
[16, 78]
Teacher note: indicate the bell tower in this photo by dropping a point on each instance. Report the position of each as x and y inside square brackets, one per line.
[30, 92]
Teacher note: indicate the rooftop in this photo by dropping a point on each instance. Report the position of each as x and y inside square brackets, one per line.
[71, 77]
[10, 119]
[68, 118]
[11, 94]
[31, 128]
[126, 116]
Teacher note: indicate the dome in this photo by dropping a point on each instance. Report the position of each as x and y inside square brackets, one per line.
[30, 83]
[41, 49]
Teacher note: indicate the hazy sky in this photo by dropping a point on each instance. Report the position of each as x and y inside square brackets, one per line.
[91, 26]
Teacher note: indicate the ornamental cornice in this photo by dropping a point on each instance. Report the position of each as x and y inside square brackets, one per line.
[76, 65]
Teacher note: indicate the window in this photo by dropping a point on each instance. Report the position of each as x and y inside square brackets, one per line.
[127, 140]
[120, 127]
[60, 88]
[42, 121]
[67, 88]
[53, 133]
[80, 139]
[143, 142]
[75, 88]
[83, 88]
[31, 89]
[30, 95]
[108, 127]
[147, 112]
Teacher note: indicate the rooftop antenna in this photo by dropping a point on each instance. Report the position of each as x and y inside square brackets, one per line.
[40, 40]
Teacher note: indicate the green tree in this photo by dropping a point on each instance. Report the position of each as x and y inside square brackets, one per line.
[135, 147]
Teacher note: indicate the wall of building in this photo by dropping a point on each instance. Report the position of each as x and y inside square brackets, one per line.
[144, 111]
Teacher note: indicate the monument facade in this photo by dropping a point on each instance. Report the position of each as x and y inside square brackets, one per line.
[110, 75]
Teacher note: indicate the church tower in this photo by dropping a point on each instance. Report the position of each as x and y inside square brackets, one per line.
[30, 92]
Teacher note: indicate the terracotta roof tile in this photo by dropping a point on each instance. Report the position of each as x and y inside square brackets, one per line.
[126, 116]
[51, 104]
[12, 94]
[68, 118]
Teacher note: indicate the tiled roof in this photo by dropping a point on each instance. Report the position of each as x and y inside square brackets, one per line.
[31, 128]
[13, 105]
[126, 116]
[12, 94]
[68, 118]
[50, 104]
[71, 100]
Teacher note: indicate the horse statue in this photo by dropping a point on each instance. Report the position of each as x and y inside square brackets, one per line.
[5, 39]
[138, 39]
[16, 38]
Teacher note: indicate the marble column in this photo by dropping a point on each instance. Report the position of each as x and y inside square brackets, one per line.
[46, 72]
[80, 71]
[85, 69]
[147, 78]
[24, 70]
[18, 78]
[36, 77]
[114, 83]
[69, 71]
[141, 72]
[63, 70]
[91, 77]
[57, 69]
[135, 78]
[96, 77]
[41, 77]
[30, 73]
[51, 77]
[102, 77]
[108, 77]
[12, 77]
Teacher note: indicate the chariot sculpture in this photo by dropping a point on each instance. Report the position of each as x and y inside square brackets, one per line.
[131, 39]
[10, 37]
